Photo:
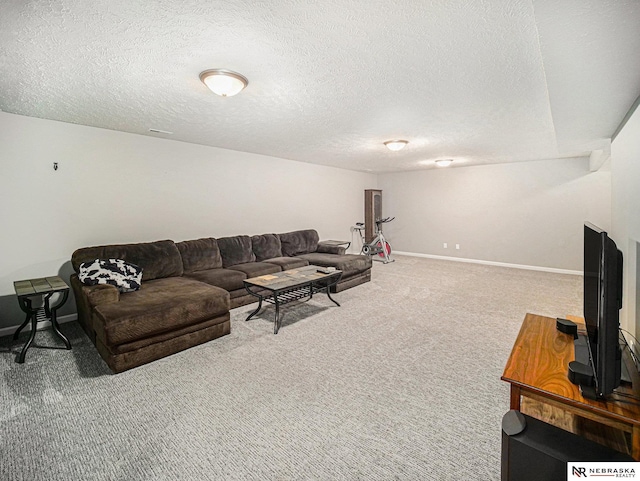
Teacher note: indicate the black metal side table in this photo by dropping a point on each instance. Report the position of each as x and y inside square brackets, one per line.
[46, 286]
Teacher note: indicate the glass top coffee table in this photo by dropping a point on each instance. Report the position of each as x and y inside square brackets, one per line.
[292, 285]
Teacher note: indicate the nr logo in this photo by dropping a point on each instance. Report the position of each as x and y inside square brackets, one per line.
[579, 472]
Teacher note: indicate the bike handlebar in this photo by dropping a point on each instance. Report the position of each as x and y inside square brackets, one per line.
[360, 225]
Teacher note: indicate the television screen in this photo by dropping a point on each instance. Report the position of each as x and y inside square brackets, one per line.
[602, 302]
[592, 260]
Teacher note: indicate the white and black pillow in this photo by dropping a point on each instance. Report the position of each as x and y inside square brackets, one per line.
[125, 276]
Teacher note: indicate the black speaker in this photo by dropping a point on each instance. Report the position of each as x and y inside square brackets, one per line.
[533, 450]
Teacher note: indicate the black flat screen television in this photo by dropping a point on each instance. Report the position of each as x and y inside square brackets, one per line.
[602, 304]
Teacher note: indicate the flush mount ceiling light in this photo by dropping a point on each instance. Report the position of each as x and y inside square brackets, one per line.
[396, 145]
[224, 82]
[444, 162]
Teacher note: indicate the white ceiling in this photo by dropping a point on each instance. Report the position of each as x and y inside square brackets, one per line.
[479, 81]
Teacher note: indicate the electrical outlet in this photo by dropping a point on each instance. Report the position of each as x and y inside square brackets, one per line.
[444, 245]
[457, 246]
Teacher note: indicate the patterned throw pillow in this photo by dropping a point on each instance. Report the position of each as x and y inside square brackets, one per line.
[125, 276]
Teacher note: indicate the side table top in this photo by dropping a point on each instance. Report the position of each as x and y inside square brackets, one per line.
[336, 242]
[43, 285]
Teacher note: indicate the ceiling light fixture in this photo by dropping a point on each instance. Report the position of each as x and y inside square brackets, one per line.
[396, 145]
[224, 82]
[444, 162]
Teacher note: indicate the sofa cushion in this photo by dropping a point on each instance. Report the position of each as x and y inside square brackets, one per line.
[349, 264]
[159, 306]
[200, 254]
[299, 242]
[236, 250]
[266, 246]
[227, 279]
[254, 269]
[286, 263]
[158, 259]
[327, 248]
[100, 294]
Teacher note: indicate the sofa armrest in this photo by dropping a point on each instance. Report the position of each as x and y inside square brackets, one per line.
[101, 294]
[331, 249]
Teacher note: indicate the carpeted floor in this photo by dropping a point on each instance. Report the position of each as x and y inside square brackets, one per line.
[401, 382]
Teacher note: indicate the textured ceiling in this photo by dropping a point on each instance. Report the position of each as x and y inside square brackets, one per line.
[479, 81]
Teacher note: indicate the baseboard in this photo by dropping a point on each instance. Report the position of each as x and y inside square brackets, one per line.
[491, 263]
[8, 331]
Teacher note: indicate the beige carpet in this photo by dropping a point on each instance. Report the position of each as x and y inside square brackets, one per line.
[401, 382]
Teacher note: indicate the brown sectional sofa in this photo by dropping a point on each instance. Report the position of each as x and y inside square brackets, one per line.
[188, 289]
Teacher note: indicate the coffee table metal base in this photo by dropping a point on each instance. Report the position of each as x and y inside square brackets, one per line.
[283, 296]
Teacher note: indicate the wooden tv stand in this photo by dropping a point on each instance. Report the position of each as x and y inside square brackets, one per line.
[537, 373]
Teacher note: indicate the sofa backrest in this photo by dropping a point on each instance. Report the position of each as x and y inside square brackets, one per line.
[235, 250]
[266, 246]
[200, 254]
[299, 242]
[158, 259]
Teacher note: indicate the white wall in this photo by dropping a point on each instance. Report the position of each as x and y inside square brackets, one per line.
[625, 174]
[115, 187]
[527, 213]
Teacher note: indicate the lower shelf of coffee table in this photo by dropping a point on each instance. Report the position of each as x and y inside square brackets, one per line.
[294, 294]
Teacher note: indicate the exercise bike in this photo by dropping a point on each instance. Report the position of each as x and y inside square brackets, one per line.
[379, 245]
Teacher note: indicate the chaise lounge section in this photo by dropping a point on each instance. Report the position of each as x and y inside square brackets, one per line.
[168, 314]
[188, 289]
